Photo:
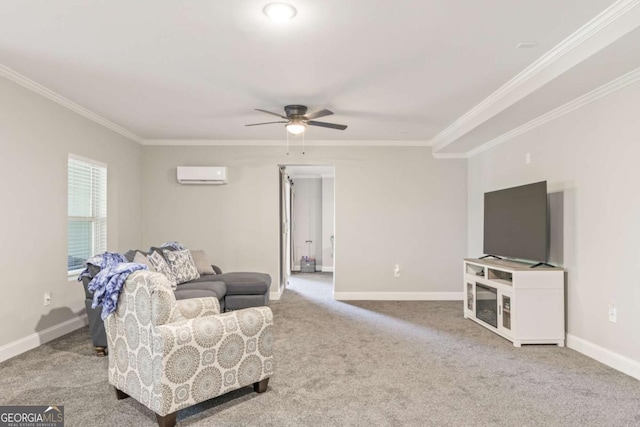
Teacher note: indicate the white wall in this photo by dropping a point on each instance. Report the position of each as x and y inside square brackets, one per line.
[306, 220]
[590, 161]
[392, 205]
[327, 223]
[36, 136]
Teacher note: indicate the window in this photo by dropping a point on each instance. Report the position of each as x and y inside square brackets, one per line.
[87, 212]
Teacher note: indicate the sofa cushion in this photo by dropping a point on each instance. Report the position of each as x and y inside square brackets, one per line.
[161, 266]
[245, 283]
[215, 286]
[182, 265]
[238, 302]
[205, 278]
[202, 262]
[194, 293]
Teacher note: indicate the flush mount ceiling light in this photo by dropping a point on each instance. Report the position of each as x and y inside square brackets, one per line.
[279, 12]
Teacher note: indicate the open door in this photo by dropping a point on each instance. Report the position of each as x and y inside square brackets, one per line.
[285, 227]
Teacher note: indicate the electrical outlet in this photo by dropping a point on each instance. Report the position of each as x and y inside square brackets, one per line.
[47, 298]
[613, 313]
[527, 158]
[396, 271]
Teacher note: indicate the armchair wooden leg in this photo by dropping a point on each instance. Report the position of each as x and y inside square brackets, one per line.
[101, 351]
[120, 394]
[261, 386]
[168, 420]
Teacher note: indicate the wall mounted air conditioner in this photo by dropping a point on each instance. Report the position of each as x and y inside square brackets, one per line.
[202, 175]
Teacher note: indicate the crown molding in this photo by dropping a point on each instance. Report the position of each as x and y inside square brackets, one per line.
[196, 142]
[67, 103]
[584, 42]
[283, 142]
[602, 91]
[450, 155]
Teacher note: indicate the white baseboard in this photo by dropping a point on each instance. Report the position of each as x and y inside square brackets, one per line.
[398, 296]
[327, 269]
[36, 339]
[610, 358]
[275, 295]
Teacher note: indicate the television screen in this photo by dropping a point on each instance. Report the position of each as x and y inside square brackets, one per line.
[515, 222]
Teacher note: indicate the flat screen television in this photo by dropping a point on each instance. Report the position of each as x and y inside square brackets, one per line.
[516, 222]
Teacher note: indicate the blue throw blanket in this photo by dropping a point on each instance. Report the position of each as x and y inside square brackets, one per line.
[107, 284]
[107, 259]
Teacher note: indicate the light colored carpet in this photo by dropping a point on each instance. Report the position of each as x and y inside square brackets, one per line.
[356, 364]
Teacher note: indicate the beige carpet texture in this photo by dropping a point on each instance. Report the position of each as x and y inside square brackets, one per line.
[365, 363]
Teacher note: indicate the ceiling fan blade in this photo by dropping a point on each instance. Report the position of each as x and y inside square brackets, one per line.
[268, 123]
[327, 125]
[274, 114]
[318, 114]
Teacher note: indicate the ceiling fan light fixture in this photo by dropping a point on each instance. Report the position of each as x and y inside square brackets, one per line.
[279, 12]
[296, 128]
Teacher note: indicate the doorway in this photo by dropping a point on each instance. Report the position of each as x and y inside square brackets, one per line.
[307, 221]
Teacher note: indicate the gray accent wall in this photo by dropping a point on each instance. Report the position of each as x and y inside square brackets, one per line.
[589, 159]
[393, 205]
[36, 136]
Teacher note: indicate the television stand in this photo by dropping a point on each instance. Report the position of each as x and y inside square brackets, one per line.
[542, 264]
[524, 306]
[490, 256]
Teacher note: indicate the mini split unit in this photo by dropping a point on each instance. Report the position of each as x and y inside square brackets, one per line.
[202, 175]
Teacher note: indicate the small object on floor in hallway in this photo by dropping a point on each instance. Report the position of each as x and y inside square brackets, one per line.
[307, 265]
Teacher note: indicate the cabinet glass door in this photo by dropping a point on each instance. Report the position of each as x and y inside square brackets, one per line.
[487, 304]
[506, 312]
[470, 297]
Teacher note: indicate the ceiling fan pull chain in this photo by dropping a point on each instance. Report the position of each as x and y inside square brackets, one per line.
[303, 143]
[285, 131]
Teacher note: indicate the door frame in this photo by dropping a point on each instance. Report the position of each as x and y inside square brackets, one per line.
[286, 226]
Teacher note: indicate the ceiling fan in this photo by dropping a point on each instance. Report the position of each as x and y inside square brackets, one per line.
[297, 119]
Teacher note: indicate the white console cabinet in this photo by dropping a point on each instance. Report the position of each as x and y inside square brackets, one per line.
[522, 304]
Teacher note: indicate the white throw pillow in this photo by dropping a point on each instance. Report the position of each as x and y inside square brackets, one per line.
[161, 266]
[182, 265]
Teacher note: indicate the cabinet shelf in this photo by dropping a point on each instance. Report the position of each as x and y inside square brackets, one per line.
[474, 270]
[523, 305]
[500, 275]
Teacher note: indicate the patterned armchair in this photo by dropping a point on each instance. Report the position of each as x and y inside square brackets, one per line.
[170, 354]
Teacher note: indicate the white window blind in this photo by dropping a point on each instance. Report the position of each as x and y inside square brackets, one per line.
[87, 212]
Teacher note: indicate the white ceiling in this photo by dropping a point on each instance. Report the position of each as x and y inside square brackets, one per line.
[391, 70]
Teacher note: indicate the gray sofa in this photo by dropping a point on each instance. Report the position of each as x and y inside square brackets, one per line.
[234, 291]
